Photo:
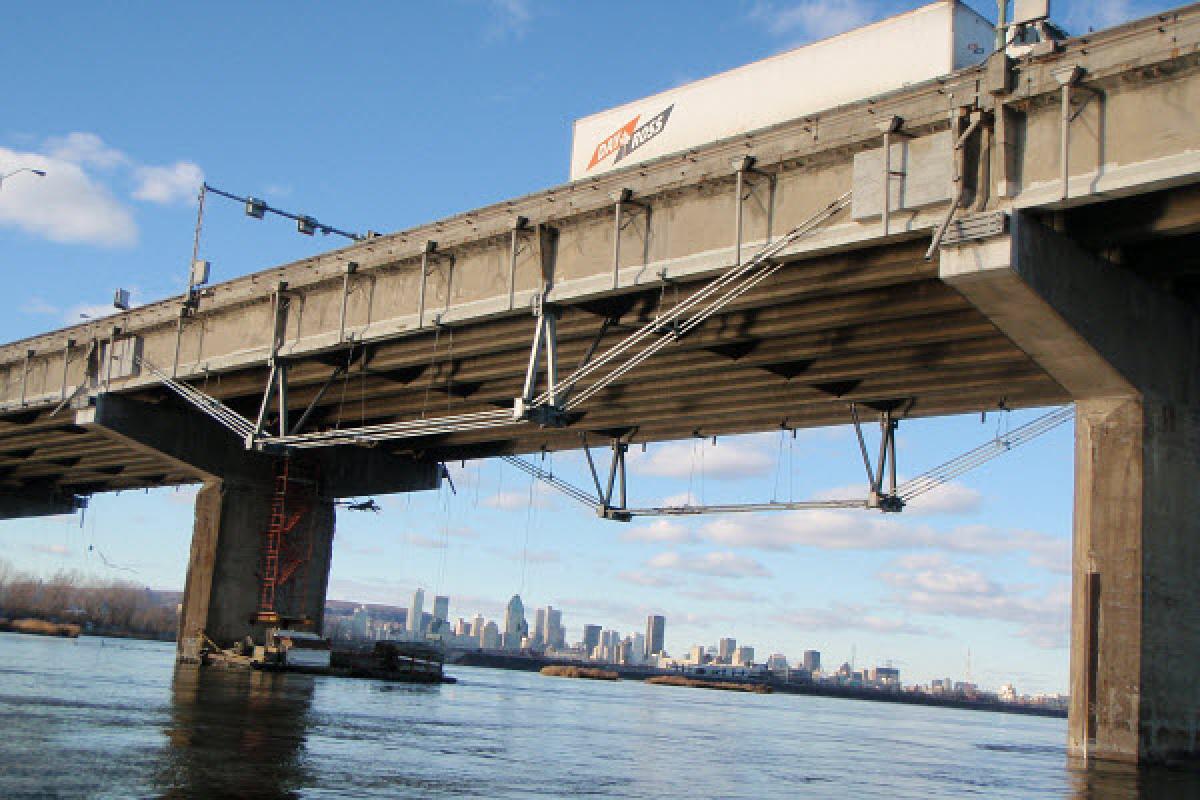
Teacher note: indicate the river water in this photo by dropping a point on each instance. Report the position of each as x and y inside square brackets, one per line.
[112, 718]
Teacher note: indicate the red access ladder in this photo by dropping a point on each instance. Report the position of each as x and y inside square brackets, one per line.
[287, 545]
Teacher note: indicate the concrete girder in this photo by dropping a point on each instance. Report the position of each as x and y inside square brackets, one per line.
[191, 442]
[39, 499]
[1130, 356]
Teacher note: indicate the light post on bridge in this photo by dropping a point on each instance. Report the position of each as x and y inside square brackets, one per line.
[41, 173]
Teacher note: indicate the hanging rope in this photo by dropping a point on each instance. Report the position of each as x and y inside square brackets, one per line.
[778, 467]
[528, 527]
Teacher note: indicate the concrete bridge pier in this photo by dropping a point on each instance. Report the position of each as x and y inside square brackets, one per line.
[1129, 354]
[233, 510]
[222, 591]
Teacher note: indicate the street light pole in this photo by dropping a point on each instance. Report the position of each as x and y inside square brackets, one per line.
[41, 173]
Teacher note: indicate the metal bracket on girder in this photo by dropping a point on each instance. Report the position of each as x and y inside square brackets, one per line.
[622, 199]
[743, 166]
[277, 382]
[616, 479]
[889, 501]
[549, 411]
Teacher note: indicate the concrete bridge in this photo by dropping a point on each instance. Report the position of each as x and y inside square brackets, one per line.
[1061, 192]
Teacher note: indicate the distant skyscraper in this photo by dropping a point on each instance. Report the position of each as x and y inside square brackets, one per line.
[515, 626]
[361, 624]
[556, 637]
[777, 662]
[725, 648]
[539, 627]
[656, 625]
[638, 654]
[591, 639]
[477, 625]
[416, 612]
[743, 656]
[812, 660]
[489, 637]
[441, 614]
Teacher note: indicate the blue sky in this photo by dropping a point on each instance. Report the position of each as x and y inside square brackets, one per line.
[384, 116]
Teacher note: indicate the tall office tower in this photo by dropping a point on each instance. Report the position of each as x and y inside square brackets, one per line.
[515, 626]
[777, 662]
[725, 648]
[639, 648]
[812, 660]
[539, 628]
[743, 656]
[556, 635]
[477, 625]
[441, 614]
[416, 612]
[656, 625]
[610, 642]
[591, 638]
[489, 637]
[462, 627]
[361, 622]
[697, 654]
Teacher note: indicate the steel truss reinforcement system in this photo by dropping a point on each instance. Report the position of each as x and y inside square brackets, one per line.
[551, 406]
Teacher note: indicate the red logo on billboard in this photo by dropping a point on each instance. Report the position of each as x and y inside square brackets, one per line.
[613, 143]
[630, 137]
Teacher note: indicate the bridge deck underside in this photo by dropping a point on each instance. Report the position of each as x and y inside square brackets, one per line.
[875, 327]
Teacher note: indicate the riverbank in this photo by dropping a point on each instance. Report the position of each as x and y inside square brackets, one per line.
[40, 627]
[587, 673]
[526, 662]
[692, 683]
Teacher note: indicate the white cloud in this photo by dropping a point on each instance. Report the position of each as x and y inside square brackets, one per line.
[933, 584]
[713, 592]
[717, 564]
[648, 579]
[389, 592]
[70, 204]
[949, 498]
[812, 19]
[67, 205]
[86, 150]
[728, 459]
[845, 616]
[175, 183]
[518, 500]
[660, 531]
[857, 530]
[681, 499]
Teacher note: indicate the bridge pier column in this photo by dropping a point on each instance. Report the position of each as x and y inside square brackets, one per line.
[222, 590]
[1130, 356]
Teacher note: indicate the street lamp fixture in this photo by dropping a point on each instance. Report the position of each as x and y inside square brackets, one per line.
[41, 173]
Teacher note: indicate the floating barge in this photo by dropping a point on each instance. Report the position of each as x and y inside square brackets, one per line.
[310, 654]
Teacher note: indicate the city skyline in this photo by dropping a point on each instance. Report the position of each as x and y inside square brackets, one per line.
[601, 643]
